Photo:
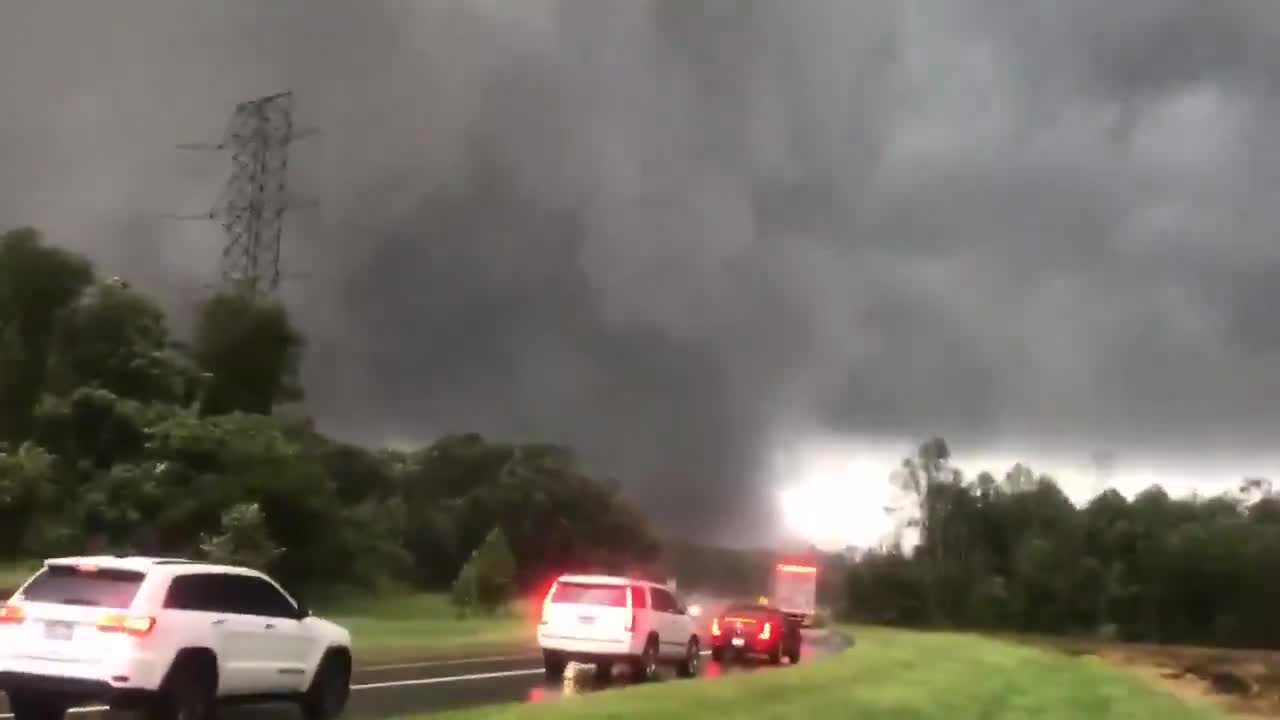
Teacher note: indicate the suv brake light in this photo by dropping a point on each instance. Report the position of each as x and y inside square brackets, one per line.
[11, 614]
[715, 626]
[137, 626]
[767, 632]
[631, 612]
[546, 604]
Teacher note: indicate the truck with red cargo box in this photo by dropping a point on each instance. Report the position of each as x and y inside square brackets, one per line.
[794, 588]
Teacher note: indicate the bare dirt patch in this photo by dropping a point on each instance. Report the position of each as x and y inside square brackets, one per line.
[1244, 683]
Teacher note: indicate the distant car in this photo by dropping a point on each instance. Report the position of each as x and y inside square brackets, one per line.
[603, 620]
[755, 630]
[169, 637]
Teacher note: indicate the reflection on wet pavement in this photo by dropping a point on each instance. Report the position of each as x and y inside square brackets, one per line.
[581, 679]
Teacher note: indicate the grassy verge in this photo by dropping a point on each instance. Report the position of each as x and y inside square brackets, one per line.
[1244, 683]
[424, 626]
[892, 675]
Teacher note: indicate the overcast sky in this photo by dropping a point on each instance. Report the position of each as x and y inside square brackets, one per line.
[692, 238]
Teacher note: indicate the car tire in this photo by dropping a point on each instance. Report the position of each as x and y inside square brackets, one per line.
[688, 668]
[190, 692]
[795, 656]
[717, 654]
[604, 671]
[553, 665]
[775, 656]
[330, 689]
[36, 707]
[645, 667]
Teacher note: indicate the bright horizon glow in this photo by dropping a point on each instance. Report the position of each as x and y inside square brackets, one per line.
[833, 492]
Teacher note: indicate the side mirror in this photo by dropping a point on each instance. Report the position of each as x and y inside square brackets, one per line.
[303, 611]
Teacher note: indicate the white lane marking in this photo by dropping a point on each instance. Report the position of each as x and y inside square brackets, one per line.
[94, 708]
[454, 678]
[378, 686]
[442, 663]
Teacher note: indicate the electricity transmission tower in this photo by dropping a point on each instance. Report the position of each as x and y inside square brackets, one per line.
[254, 200]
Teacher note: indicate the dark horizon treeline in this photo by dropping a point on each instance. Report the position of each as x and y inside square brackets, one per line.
[117, 437]
[1017, 555]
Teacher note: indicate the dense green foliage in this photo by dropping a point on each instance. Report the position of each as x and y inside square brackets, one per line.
[488, 580]
[1018, 555]
[114, 437]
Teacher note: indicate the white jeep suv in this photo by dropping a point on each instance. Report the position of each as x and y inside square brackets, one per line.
[171, 637]
[602, 619]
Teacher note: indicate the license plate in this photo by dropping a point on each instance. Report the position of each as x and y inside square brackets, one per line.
[739, 642]
[58, 631]
[586, 619]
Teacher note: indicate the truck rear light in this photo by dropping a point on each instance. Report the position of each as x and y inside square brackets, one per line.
[11, 614]
[715, 627]
[631, 612]
[767, 632]
[546, 605]
[137, 626]
[808, 569]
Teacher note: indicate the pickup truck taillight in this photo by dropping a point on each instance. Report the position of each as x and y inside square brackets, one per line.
[631, 612]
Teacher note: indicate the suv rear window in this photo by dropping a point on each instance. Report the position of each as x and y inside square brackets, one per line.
[584, 594]
[64, 585]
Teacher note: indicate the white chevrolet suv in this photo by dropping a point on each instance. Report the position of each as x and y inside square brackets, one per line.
[602, 619]
[170, 637]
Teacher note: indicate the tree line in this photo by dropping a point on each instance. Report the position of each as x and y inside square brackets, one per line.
[1014, 554]
[118, 437]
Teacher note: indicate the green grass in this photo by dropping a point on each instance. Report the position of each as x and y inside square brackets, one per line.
[891, 675]
[422, 626]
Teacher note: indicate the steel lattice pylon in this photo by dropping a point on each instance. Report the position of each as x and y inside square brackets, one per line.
[254, 199]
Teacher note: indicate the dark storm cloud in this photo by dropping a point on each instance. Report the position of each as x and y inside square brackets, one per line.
[668, 232]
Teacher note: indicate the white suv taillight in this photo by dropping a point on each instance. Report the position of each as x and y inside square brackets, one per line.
[631, 612]
[137, 626]
[11, 614]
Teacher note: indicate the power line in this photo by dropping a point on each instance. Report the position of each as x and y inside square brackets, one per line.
[253, 202]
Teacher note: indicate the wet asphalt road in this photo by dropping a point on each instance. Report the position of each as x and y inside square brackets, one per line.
[389, 690]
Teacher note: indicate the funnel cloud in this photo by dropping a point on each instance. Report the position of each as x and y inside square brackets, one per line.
[679, 235]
